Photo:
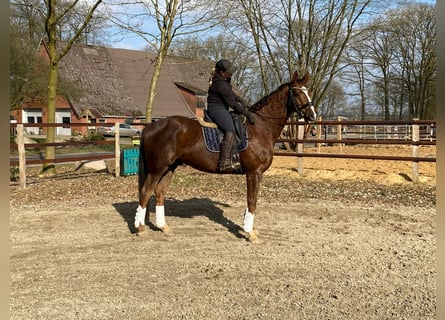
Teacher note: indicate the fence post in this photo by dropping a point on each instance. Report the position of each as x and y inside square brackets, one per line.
[117, 150]
[415, 138]
[22, 156]
[339, 129]
[300, 135]
[319, 128]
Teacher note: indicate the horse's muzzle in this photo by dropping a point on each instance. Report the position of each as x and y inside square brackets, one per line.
[310, 114]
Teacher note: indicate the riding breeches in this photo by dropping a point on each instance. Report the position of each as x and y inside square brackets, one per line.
[222, 117]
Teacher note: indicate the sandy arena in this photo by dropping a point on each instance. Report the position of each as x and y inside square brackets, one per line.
[348, 239]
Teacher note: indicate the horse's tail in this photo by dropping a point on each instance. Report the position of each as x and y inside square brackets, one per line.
[142, 170]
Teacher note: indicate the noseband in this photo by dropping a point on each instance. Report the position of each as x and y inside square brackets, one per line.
[292, 103]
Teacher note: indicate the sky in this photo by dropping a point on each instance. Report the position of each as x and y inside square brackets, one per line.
[130, 42]
[134, 42]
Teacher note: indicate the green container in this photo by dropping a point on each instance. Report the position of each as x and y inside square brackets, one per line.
[130, 161]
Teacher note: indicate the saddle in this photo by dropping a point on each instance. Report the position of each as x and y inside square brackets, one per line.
[214, 135]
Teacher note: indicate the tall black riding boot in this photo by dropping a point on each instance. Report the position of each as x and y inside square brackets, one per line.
[225, 161]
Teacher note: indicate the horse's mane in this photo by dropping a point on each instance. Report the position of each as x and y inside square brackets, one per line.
[265, 100]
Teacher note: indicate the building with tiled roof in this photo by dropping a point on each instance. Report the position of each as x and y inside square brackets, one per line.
[115, 82]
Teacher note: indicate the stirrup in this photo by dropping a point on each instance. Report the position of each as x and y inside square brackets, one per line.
[224, 166]
[228, 165]
[236, 166]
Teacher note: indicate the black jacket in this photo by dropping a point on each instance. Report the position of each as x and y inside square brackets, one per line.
[220, 93]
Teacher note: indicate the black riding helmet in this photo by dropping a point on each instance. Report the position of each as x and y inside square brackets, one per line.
[226, 66]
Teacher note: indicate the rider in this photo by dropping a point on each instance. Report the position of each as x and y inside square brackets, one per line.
[220, 98]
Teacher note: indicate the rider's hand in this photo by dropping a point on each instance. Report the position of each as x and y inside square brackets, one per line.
[251, 117]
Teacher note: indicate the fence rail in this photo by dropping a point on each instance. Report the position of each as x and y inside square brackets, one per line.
[416, 133]
[337, 132]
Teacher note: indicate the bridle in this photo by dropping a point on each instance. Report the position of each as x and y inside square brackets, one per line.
[291, 106]
[292, 103]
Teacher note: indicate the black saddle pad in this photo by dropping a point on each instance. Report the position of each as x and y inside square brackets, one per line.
[214, 136]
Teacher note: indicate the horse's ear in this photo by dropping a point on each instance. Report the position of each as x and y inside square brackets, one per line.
[295, 77]
[304, 80]
[306, 77]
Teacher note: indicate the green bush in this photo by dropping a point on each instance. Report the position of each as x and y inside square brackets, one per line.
[94, 136]
[13, 173]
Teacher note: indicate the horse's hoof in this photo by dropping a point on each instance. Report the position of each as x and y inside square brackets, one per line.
[166, 229]
[142, 230]
[253, 238]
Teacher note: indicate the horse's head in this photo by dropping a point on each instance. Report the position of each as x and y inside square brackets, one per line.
[299, 98]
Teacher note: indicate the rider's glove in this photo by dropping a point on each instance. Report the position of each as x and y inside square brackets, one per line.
[251, 116]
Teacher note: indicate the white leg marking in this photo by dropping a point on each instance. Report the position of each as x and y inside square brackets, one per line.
[160, 216]
[248, 221]
[140, 216]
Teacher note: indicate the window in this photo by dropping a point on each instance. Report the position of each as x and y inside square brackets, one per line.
[66, 121]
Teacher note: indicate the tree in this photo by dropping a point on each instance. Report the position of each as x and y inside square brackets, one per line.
[55, 13]
[173, 19]
[29, 71]
[414, 28]
[93, 32]
[298, 35]
[217, 47]
[399, 50]
[26, 31]
[381, 45]
[355, 76]
[334, 98]
[27, 18]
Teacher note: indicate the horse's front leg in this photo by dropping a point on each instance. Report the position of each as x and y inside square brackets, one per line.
[253, 185]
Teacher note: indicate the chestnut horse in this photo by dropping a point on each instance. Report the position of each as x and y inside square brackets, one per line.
[170, 142]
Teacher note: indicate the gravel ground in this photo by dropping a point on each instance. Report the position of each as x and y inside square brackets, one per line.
[329, 249]
[72, 188]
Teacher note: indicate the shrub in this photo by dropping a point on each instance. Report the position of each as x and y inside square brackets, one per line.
[94, 136]
[13, 173]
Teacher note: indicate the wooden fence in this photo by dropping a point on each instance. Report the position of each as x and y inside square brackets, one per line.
[21, 146]
[415, 133]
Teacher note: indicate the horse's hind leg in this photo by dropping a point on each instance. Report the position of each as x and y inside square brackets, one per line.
[146, 189]
[160, 190]
[158, 185]
[145, 192]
